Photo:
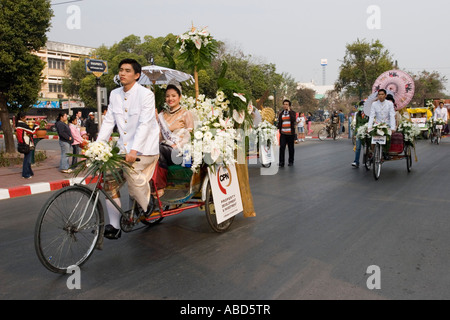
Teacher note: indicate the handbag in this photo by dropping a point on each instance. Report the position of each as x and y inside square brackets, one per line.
[23, 148]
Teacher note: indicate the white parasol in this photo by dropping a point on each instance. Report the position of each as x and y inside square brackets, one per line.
[152, 75]
[371, 99]
[156, 75]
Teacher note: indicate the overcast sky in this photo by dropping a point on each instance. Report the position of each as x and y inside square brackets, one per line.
[294, 35]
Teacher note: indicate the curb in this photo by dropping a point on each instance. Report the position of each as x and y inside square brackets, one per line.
[49, 137]
[41, 187]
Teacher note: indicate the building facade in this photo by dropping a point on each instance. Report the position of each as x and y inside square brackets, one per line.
[57, 57]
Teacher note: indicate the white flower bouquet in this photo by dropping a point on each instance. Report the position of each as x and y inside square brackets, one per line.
[197, 47]
[409, 130]
[440, 121]
[267, 132]
[363, 133]
[380, 129]
[100, 158]
[213, 140]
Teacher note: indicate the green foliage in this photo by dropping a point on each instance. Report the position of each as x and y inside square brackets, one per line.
[363, 63]
[23, 27]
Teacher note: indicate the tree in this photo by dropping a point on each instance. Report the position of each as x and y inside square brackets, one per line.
[23, 27]
[363, 63]
[428, 85]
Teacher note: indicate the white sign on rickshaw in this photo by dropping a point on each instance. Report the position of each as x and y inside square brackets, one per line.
[420, 122]
[379, 139]
[266, 153]
[226, 193]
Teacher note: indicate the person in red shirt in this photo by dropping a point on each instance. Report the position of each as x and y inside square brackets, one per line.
[286, 124]
[25, 135]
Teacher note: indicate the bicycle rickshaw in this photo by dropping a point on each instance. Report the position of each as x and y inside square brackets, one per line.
[374, 157]
[71, 223]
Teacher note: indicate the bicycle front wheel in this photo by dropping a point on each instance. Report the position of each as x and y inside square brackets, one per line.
[377, 161]
[323, 134]
[68, 229]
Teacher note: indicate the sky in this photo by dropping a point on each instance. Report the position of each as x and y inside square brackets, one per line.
[292, 34]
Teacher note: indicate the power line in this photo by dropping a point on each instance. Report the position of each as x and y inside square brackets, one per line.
[55, 4]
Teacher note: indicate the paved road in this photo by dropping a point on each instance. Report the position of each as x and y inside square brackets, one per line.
[319, 226]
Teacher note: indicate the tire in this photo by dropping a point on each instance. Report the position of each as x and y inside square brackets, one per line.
[323, 134]
[408, 158]
[59, 242]
[211, 213]
[438, 136]
[377, 161]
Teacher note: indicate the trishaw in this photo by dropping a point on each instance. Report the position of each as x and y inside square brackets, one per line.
[374, 156]
[71, 223]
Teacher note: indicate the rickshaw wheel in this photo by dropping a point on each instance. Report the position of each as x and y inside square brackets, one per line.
[408, 158]
[377, 161]
[211, 213]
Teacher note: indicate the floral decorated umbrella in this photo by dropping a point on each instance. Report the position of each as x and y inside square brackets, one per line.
[398, 82]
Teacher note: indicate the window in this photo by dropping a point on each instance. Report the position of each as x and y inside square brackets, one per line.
[55, 87]
[56, 64]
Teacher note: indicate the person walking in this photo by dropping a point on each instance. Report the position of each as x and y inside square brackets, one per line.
[91, 127]
[360, 120]
[341, 121]
[132, 109]
[65, 141]
[286, 126]
[24, 135]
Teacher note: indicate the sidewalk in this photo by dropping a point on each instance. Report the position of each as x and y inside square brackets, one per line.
[47, 177]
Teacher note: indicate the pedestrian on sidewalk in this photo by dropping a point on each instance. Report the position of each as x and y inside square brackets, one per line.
[25, 135]
[309, 122]
[301, 127]
[91, 127]
[286, 125]
[77, 139]
[65, 141]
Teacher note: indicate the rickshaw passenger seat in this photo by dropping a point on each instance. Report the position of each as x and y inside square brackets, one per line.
[179, 174]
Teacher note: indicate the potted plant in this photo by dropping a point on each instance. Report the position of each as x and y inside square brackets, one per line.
[42, 131]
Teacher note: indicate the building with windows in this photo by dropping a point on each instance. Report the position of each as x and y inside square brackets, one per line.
[57, 57]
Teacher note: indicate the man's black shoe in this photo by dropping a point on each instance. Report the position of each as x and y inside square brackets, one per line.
[281, 165]
[112, 233]
[290, 164]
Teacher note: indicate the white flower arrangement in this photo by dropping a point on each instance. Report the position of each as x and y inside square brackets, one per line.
[101, 158]
[363, 132]
[98, 151]
[380, 129]
[213, 139]
[267, 132]
[440, 121]
[409, 131]
[199, 37]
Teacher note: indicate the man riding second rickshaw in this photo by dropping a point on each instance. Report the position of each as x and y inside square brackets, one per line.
[382, 111]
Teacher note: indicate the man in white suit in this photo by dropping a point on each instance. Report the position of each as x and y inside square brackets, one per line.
[132, 109]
